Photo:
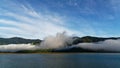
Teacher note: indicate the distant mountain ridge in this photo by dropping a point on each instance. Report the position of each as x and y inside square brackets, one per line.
[85, 39]
[77, 40]
[17, 40]
[91, 39]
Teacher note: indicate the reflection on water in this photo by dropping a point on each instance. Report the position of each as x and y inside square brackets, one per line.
[60, 60]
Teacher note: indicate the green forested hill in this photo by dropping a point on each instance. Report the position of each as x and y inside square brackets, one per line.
[85, 39]
[17, 40]
[90, 39]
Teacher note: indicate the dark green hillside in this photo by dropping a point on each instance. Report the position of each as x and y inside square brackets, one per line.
[86, 39]
[17, 40]
[90, 39]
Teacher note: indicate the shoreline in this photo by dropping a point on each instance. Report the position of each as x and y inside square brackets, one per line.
[61, 53]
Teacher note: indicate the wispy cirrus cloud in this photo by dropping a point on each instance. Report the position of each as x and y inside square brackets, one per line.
[42, 18]
[32, 24]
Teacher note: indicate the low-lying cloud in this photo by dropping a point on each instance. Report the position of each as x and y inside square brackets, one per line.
[62, 40]
[107, 45]
[16, 47]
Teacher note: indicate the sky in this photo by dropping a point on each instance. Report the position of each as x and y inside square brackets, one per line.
[36, 19]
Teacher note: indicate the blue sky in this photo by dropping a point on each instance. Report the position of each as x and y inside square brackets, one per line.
[41, 18]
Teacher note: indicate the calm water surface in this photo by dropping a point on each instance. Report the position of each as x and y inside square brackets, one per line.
[76, 60]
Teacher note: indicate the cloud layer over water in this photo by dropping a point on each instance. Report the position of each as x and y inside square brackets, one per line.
[107, 45]
[62, 40]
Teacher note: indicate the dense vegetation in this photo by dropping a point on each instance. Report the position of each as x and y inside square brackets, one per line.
[35, 51]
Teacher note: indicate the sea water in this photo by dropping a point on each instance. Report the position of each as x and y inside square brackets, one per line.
[60, 60]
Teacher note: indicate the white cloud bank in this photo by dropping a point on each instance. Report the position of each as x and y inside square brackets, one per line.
[61, 40]
[107, 45]
[16, 47]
